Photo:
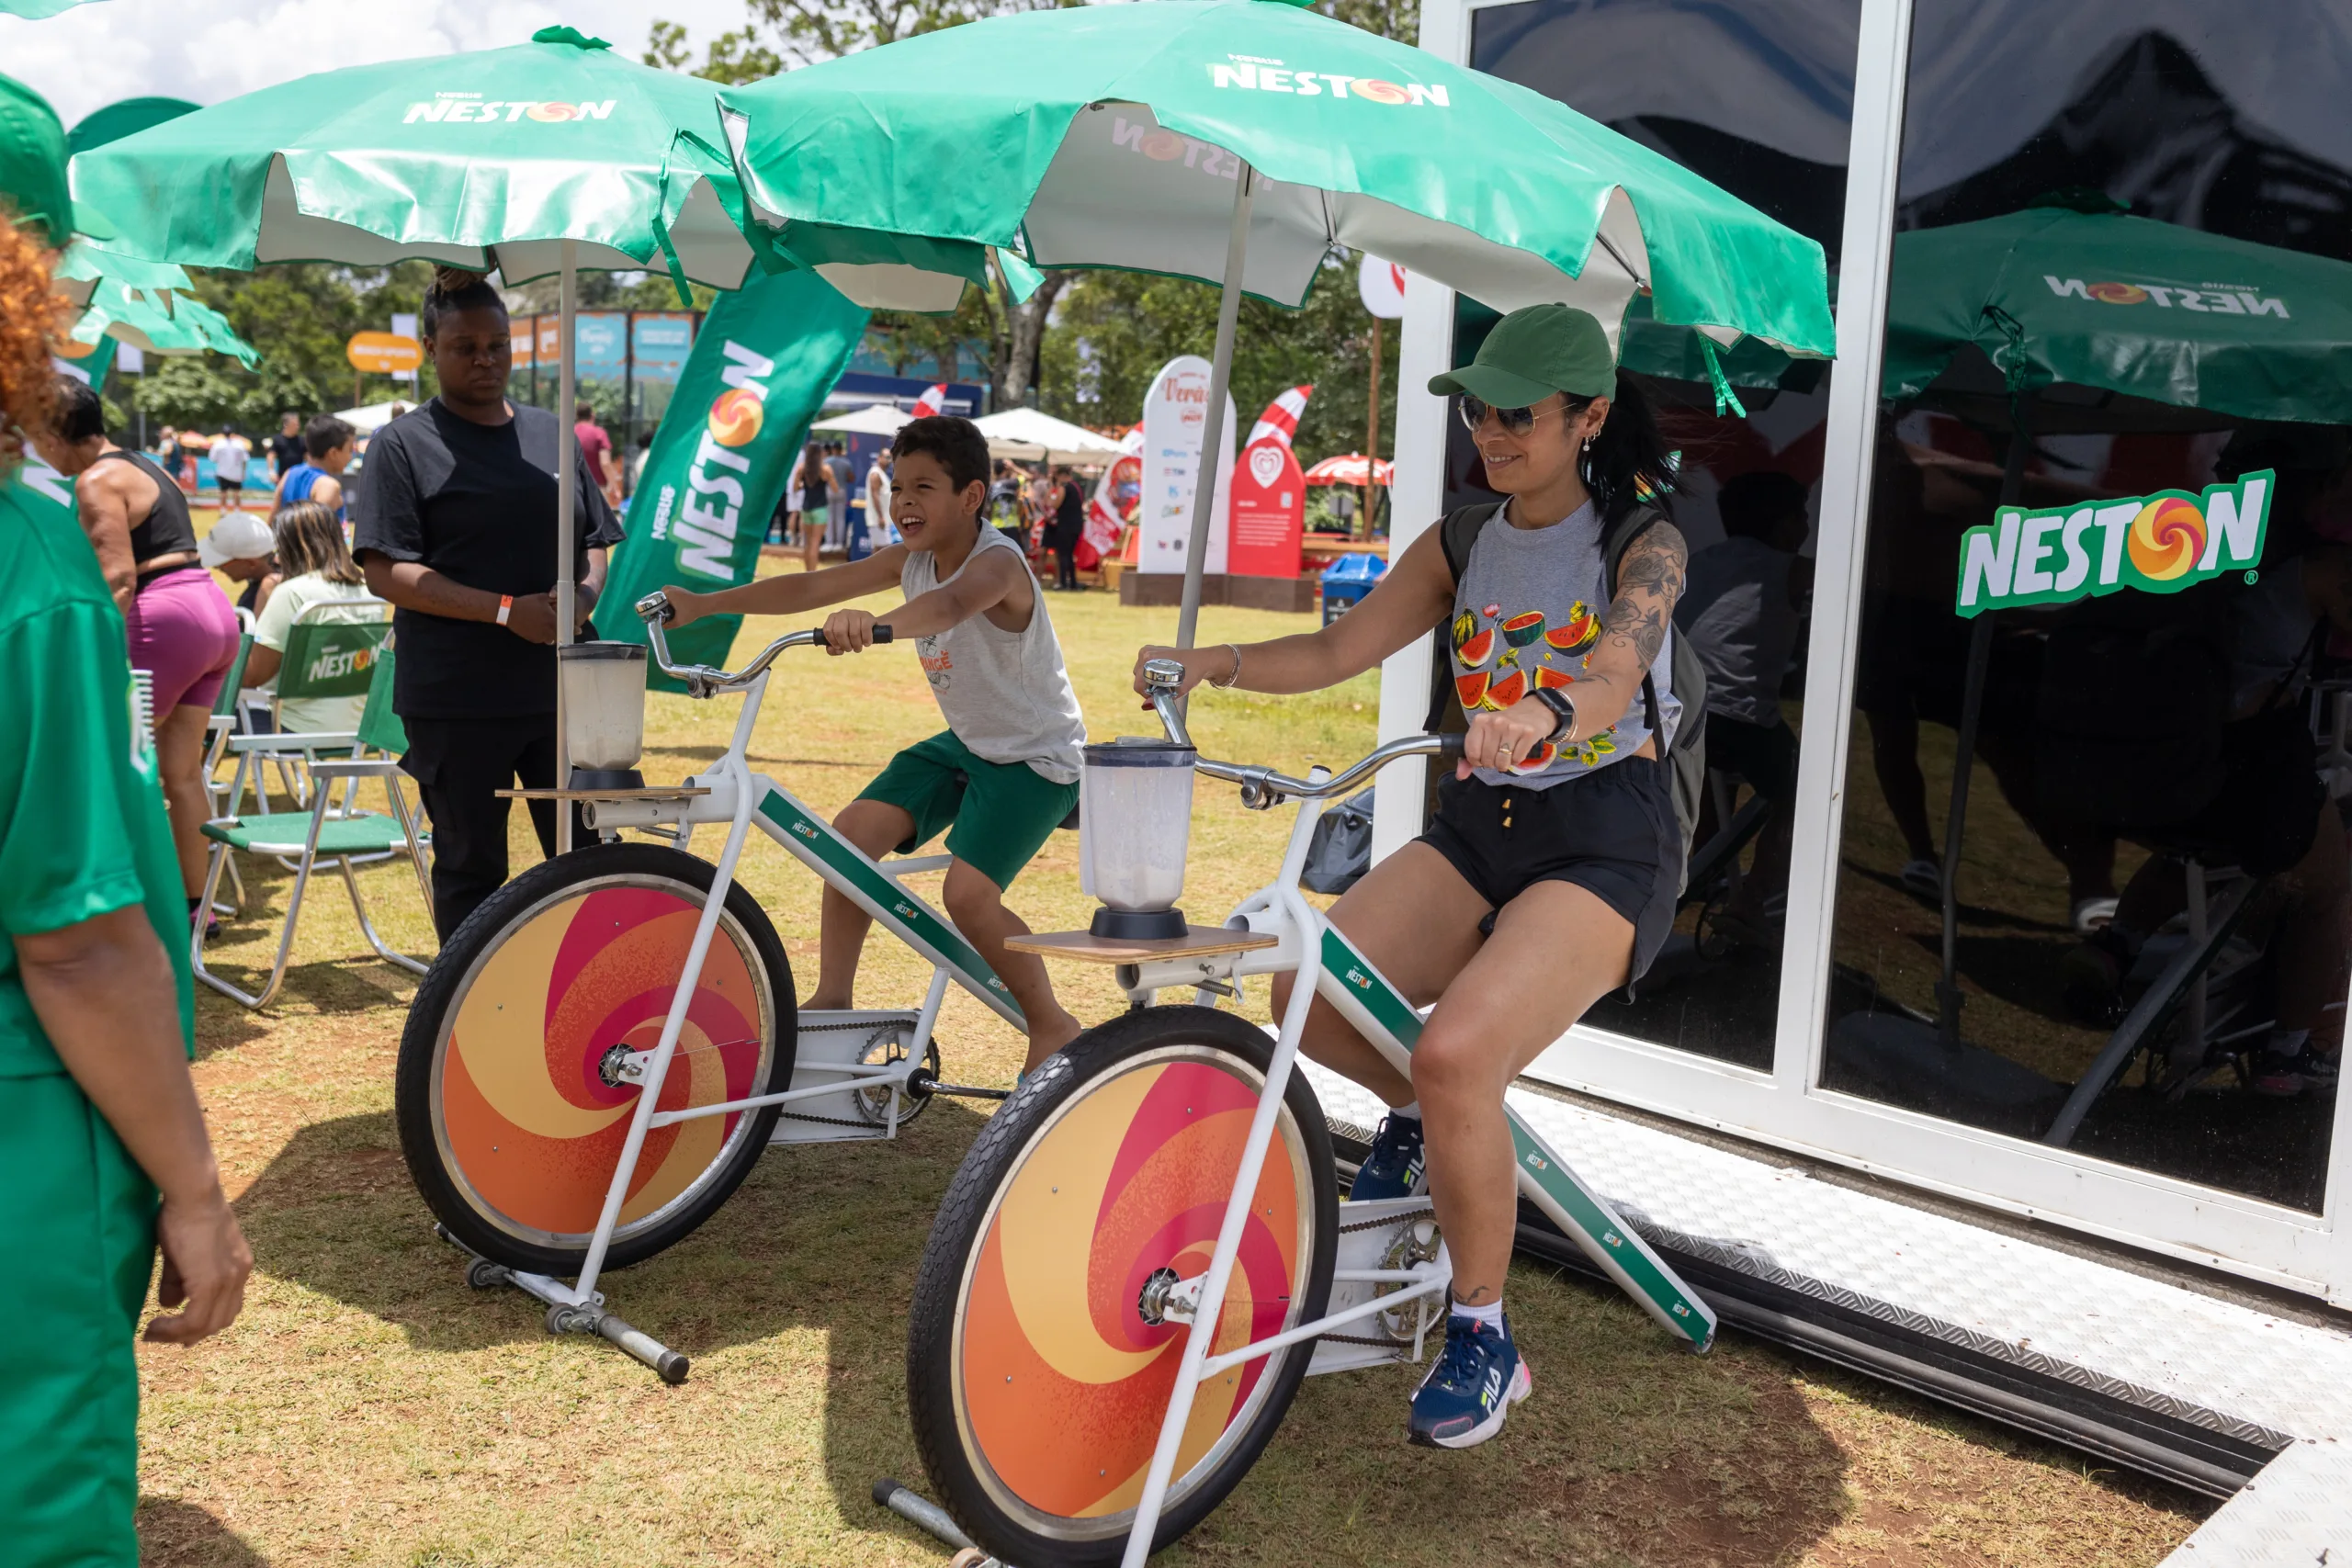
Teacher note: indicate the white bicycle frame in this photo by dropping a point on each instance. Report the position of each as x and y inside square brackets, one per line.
[1353, 984]
[742, 799]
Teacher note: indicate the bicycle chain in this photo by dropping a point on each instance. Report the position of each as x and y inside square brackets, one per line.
[1391, 1219]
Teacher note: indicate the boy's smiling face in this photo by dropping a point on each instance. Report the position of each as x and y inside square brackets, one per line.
[926, 505]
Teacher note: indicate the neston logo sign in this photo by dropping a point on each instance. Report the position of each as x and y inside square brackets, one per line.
[706, 523]
[2158, 544]
[472, 108]
[2217, 299]
[1254, 74]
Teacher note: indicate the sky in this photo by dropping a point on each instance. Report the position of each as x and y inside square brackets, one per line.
[206, 50]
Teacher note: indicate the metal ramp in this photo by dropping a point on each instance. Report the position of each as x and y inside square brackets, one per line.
[2208, 1392]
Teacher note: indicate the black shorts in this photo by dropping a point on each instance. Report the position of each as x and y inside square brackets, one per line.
[1763, 754]
[1611, 832]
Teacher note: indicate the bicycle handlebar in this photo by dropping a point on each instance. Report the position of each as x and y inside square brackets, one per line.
[1263, 788]
[702, 680]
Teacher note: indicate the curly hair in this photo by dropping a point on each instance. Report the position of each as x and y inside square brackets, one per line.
[29, 307]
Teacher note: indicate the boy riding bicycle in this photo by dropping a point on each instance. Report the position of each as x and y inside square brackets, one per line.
[1003, 775]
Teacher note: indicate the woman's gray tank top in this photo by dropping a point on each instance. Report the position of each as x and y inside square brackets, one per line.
[1526, 614]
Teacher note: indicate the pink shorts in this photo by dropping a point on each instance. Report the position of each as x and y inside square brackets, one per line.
[184, 633]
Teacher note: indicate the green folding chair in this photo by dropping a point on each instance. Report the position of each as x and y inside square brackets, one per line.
[326, 655]
[219, 731]
[342, 836]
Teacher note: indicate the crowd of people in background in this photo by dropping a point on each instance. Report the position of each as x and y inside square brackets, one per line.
[1040, 510]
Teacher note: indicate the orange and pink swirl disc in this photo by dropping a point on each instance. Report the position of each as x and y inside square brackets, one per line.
[2167, 536]
[532, 1128]
[1064, 1384]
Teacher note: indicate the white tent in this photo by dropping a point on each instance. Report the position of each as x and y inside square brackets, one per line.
[875, 419]
[1029, 436]
[373, 417]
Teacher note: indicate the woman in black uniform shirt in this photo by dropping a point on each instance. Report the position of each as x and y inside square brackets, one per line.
[454, 531]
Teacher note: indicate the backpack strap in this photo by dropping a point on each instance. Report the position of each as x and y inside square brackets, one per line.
[1460, 531]
[1619, 538]
[1454, 536]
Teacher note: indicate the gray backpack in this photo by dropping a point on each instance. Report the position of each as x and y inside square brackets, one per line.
[1687, 756]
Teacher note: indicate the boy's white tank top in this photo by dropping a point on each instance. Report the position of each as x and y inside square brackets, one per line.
[1006, 694]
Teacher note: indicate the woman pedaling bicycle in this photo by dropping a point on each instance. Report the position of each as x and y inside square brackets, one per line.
[1549, 876]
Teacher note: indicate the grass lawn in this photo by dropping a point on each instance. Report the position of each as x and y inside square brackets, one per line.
[369, 1409]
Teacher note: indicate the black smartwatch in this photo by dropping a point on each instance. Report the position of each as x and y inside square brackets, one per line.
[1557, 701]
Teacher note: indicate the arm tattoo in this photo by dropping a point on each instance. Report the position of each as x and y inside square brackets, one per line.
[1650, 580]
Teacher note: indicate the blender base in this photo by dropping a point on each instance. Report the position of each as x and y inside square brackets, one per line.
[606, 778]
[1138, 925]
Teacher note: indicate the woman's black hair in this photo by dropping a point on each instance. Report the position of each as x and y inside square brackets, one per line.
[1627, 463]
[79, 413]
[454, 291]
[955, 443]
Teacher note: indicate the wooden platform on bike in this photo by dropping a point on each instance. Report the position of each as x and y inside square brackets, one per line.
[649, 793]
[1198, 941]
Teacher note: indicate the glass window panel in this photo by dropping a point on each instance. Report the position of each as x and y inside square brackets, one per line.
[1755, 96]
[2109, 551]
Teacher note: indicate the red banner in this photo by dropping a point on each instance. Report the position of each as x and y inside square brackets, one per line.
[1269, 513]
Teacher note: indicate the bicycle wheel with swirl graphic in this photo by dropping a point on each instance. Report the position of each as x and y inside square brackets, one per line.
[1040, 1359]
[512, 1112]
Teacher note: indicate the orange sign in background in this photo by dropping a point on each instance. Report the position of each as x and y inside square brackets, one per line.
[383, 354]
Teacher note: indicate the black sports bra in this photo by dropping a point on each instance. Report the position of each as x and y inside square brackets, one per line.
[167, 529]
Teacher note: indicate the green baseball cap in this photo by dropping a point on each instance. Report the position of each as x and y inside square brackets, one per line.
[1534, 353]
[32, 164]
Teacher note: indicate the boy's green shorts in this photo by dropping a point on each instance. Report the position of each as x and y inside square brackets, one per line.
[998, 815]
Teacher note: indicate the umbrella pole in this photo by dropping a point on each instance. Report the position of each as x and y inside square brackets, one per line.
[1972, 707]
[565, 501]
[1228, 313]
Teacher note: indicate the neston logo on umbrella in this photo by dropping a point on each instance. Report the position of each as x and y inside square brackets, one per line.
[1273, 77]
[2223, 300]
[2158, 544]
[472, 108]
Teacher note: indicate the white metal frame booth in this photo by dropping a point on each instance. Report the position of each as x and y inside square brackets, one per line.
[1786, 1107]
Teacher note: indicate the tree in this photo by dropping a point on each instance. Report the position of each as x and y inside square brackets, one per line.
[300, 317]
[1115, 331]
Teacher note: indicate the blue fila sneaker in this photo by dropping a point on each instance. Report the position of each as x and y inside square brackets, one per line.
[1393, 1168]
[1476, 1382]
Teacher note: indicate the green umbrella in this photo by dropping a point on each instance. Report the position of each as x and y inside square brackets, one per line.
[34, 10]
[85, 266]
[154, 321]
[536, 160]
[2124, 305]
[501, 158]
[1237, 141]
[122, 117]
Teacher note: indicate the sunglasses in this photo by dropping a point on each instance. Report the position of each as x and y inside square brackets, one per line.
[1515, 421]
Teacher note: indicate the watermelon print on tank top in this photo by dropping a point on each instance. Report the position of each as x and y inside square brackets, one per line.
[1527, 614]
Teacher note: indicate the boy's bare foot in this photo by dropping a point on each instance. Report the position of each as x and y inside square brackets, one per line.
[1051, 1035]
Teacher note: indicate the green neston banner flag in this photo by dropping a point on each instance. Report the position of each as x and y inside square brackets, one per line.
[759, 370]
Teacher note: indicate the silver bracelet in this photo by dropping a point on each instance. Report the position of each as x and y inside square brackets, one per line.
[1227, 685]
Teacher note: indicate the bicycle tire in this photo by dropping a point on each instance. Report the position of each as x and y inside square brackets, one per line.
[512, 1135]
[1116, 1116]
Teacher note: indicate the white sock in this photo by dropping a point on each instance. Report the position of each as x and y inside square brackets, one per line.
[1491, 1315]
[1410, 1112]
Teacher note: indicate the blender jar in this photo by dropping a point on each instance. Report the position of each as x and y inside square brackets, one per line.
[603, 713]
[1135, 823]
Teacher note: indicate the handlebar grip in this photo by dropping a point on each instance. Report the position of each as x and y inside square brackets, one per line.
[882, 634]
[1449, 747]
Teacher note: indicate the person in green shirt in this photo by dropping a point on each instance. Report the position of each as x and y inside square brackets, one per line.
[103, 1149]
